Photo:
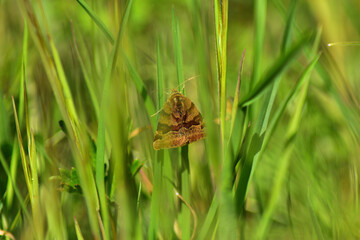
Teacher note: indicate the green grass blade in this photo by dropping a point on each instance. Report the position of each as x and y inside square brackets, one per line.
[97, 20]
[288, 28]
[277, 68]
[89, 85]
[56, 76]
[100, 153]
[184, 217]
[159, 159]
[277, 115]
[140, 87]
[14, 156]
[78, 230]
[209, 220]
[160, 79]
[260, 23]
[284, 161]
[177, 49]
[253, 153]
[14, 186]
[236, 96]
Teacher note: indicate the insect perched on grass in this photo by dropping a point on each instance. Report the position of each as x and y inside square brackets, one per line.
[180, 123]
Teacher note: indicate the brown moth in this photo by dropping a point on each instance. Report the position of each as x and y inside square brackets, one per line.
[180, 123]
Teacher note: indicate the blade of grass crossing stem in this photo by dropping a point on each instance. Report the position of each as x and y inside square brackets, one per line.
[236, 96]
[34, 194]
[25, 165]
[284, 162]
[177, 48]
[140, 87]
[209, 220]
[78, 230]
[277, 68]
[159, 159]
[89, 84]
[28, 175]
[139, 84]
[14, 186]
[256, 142]
[295, 89]
[277, 115]
[97, 20]
[100, 153]
[14, 154]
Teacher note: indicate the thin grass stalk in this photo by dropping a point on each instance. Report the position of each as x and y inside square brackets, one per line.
[139, 84]
[260, 23]
[16, 189]
[159, 158]
[14, 155]
[184, 216]
[177, 49]
[100, 154]
[89, 85]
[97, 21]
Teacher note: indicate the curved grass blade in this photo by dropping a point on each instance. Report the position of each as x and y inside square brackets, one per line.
[284, 161]
[97, 20]
[278, 67]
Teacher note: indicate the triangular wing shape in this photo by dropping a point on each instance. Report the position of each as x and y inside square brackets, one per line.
[180, 123]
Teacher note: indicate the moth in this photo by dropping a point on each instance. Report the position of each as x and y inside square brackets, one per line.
[180, 123]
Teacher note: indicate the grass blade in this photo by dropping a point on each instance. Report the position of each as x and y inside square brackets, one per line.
[177, 49]
[260, 23]
[100, 153]
[278, 67]
[97, 20]
[284, 161]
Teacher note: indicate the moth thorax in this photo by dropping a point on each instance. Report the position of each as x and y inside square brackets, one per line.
[178, 107]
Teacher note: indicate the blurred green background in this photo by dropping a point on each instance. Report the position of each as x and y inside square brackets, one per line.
[81, 83]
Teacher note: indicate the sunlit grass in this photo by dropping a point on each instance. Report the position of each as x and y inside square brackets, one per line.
[81, 85]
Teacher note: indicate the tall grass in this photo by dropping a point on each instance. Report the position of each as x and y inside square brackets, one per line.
[81, 84]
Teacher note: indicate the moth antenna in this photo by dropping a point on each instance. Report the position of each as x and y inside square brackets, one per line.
[156, 113]
[183, 84]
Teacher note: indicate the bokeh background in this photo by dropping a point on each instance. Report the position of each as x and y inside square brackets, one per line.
[81, 83]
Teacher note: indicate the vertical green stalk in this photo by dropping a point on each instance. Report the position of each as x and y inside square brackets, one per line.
[260, 23]
[177, 49]
[221, 27]
[227, 223]
[159, 159]
[14, 155]
[100, 153]
[184, 216]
